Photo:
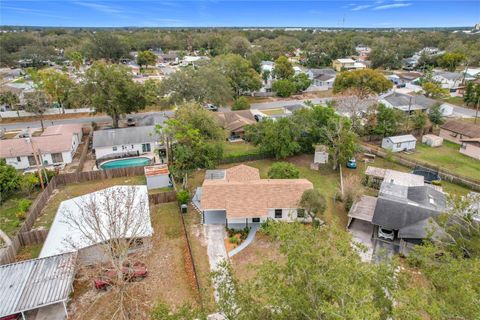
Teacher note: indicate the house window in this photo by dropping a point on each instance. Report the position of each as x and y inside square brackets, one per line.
[255, 219]
[146, 147]
[300, 213]
[18, 159]
[57, 157]
[114, 148]
[399, 145]
[278, 213]
[463, 146]
[31, 161]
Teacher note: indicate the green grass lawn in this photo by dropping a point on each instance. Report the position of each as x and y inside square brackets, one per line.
[455, 100]
[77, 189]
[448, 158]
[29, 252]
[271, 112]
[238, 148]
[9, 223]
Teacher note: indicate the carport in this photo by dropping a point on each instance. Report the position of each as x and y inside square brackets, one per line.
[360, 224]
[214, 217]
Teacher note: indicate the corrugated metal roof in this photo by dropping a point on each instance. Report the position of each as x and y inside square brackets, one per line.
[156, 170]
[31, 284]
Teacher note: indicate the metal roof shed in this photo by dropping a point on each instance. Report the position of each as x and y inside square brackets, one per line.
[36, 283]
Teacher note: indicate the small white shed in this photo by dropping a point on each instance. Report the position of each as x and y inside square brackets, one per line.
[321, 155]
[399, 143]
[432, 140]
[157, 176]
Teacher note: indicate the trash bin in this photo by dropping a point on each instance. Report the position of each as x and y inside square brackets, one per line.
[183, 208]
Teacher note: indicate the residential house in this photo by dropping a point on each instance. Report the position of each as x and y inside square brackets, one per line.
[235, 121]
[401, 217]
[400, 79]
[64, 237]
[471, 147]
[405, 102]
[410, 63]
[171, 57]
[237, 197]
[321, 78]
[457, 130]
[399, 143]
[55, 146]
[37, 288]
[347, 64]
[363, 52]
[449, 80]
[122, 142]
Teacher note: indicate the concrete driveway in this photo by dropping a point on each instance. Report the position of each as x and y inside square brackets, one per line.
[214, 235]
[362, 233]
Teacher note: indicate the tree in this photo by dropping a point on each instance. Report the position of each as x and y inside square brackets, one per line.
[284, 87]
[242, 77]
[37, 103]
[302, 82]
[241, 103]
[434, 89]
[451, 60]
[76, 58]
[365, 81]
[314, 204]
[469, 95]
[283, 170]
[315, 282]
[338, 136]
[111, 89]
[283, 68]
[435, 114]
[351, 102]
[146, 58]
[205, 84]
[56, 85]
[9, 180]
[28, 183]
[265, 75]
[113, 218]
[239, 45]
[385, 57]
[106, 45]
[10, 99]
[388, 120]
[278, 138]
[419, 119]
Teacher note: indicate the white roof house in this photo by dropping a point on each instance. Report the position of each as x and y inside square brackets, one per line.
[63, 237]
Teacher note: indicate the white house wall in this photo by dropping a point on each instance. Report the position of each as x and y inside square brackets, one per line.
[19, 165]
[101, 152]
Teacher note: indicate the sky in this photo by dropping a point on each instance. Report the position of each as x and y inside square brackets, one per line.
[246, 13]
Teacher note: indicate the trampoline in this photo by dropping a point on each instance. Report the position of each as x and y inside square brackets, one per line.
[428, 175]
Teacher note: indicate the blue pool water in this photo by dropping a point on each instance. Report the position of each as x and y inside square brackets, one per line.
[124, 163]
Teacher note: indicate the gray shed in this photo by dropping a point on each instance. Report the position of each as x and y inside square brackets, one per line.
[33, 284]
[157, 176]
[321, 155]
[399, 143]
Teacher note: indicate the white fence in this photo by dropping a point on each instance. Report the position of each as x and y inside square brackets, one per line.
[23, 113]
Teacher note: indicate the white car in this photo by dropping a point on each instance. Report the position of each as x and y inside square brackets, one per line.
[387, 234]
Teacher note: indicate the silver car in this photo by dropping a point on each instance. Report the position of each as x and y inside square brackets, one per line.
[387, 234]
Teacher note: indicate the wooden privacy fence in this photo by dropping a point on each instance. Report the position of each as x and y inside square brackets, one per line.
[83, 155]
[26, 236]
[446, 176]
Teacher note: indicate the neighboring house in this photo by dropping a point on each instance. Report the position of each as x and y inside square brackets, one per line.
[405, 102]
[237, 197]
[64, 237]
[20, 89]
[410, 63]
[171, 57]
[347, 64]
[123, 142]
[471, 74]
[457, 130]
[56, 146]
[401, 217]
[267, 66]
[449, 80]
[471, 147]
[235, 121]
[399, 143]
[37, 288]
[322, 77]
[404, 77]
[363, 52]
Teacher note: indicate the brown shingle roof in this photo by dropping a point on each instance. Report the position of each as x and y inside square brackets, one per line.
[235, 120]
[464, 128]
[249, 196]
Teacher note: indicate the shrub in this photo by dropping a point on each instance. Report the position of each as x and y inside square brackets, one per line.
[352, 191]
[283, 170]
[20, 215]
[183, 196]
[9, 180]
[29, 182]
[233, 239]
[284, 88]
[241, 103]
[22, 208]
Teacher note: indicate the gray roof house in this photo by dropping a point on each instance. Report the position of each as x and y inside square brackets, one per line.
[405, 102]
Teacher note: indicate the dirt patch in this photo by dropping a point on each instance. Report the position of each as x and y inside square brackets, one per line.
[262, 249]
[47, 117]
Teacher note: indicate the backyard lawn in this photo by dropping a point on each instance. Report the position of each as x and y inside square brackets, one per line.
[272, 112]
[9, 223]
[448, 158]
[238, 148]
[77, 189]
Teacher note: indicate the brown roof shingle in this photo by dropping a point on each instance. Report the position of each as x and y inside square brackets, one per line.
[235, 120]
[464, 128]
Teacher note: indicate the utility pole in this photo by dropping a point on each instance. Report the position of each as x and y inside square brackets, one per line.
[37, 164]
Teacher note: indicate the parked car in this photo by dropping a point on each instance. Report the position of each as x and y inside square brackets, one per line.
[258, 117]
[211, 107]
[352, 164]
[12, 317]
[131, 122]
[387, 234]
[131, 272]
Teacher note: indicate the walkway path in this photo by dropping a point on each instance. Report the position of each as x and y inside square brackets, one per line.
[247, 242]
[215, 235]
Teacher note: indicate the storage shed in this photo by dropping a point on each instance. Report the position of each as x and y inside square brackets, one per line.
[321, 155]
[157, 176]
[432, 140]
[399, 143]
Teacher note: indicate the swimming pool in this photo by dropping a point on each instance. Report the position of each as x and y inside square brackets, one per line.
[125, 163]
